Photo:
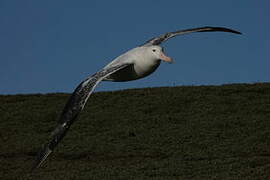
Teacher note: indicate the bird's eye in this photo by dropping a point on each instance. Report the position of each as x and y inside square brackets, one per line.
[154, 50]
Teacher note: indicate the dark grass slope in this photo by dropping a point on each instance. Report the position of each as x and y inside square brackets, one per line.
[206, 132]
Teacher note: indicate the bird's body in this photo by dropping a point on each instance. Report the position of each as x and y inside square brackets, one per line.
[141, 61]
[134, 64]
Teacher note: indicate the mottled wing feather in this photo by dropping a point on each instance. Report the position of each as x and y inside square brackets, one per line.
[72, 109]
[158, 40]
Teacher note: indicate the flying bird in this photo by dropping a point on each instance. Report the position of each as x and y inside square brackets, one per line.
[134, 64]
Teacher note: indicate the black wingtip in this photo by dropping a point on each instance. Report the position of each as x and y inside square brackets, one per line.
[42, 155]
[237, 32]
[233, 31]
[224, 30]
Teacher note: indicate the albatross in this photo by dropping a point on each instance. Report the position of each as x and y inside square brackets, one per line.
[136, 63]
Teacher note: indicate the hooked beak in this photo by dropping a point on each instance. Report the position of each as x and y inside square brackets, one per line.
[165, 58]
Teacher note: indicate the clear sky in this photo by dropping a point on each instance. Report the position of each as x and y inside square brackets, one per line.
[50, 46]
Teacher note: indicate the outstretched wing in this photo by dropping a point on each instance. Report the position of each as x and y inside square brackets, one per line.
[72, 109]
[164, 37]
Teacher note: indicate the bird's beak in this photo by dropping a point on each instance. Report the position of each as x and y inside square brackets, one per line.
[165, 58]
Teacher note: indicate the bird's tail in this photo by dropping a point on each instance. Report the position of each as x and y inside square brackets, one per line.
[47, 148]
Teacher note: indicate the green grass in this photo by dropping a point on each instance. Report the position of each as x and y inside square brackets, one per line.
[192, 132]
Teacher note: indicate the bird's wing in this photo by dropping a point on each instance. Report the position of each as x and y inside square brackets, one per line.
[72, 109]
[164, 37]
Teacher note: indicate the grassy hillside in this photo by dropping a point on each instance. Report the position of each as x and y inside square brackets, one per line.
[205, 132]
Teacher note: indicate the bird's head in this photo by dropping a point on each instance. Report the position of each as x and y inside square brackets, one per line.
[157, 53]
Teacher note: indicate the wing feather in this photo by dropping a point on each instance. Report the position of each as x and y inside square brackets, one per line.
[72, 109]
[164, 37]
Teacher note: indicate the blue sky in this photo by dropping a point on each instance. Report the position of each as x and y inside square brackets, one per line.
[50, 46]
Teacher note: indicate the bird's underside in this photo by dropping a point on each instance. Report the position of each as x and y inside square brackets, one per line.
[128, 74]
[121, 69]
